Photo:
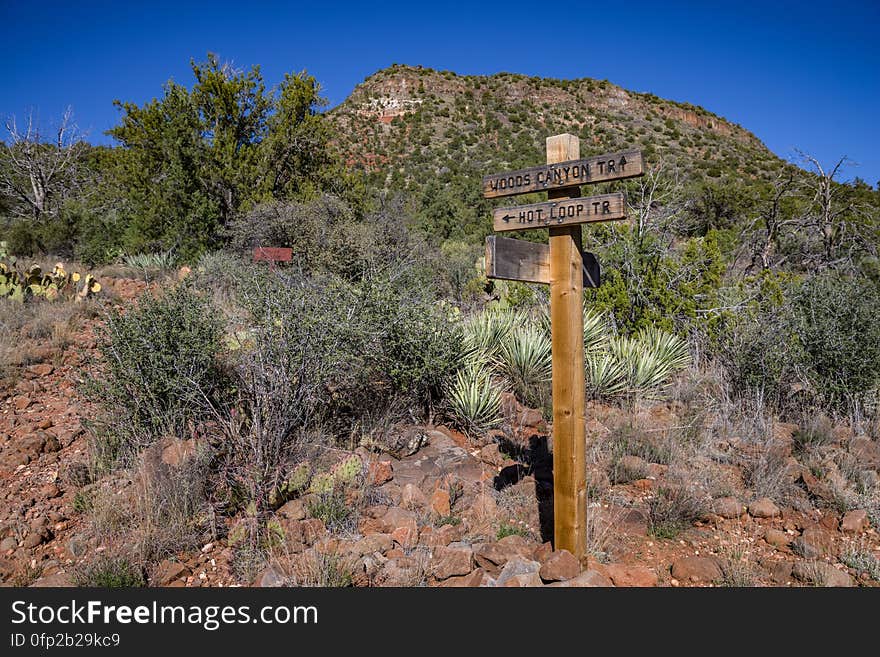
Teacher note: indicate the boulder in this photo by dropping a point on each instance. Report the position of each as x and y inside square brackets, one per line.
[763, 508]
[560, 566]
[587, 579]
[728, 507]
[855, 521]
[622, 575]
[514, 567]
[820, 573]
[449, 562]
[696, 569]
[777, 538]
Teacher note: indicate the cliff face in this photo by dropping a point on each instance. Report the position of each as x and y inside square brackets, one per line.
[403, 123]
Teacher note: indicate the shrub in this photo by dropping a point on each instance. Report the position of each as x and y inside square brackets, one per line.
[159, 368]
[110, 573]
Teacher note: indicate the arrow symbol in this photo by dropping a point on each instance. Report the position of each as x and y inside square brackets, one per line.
[506, 218]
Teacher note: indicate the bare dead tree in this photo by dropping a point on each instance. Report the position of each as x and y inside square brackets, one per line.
[40, 174]
[830, 215]
[658, 199]
[771, 222]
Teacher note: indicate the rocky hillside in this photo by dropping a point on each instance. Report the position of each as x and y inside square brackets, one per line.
[411, 125]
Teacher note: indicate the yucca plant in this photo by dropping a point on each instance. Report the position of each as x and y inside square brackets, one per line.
[606, 375]
[649, 359]
[147, 263]
[524, 359]
[474, 399]
[484, 333]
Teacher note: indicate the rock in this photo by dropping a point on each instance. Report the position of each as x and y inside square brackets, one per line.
[516, 566]
[167, 571]
[21, 402]
[470, 580]
[492, 556]
[449, 562]
[525, 580]
[49, 491]
[441, 536]
[312, 529]
[533, 418]
[40, 369]
[560, 566]
[763, 508]
[728, 507]
[777, 538]
[622, 575]
[820, 574]
[492, 455]
[855, 521]
[54, 580]
[401, 571]
[483, 509]
[380, 472]
[440, 503]
[402, 526]
[35, 538]
[696, 569]
[412, 498]
[293, 510]
[8, 543]
[779, 571]
[814, 542]
[270, 578]
[588, 578]
[373, 543]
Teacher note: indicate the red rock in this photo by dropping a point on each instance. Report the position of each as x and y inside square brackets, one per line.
[406, 537]
[492, 556]
[696, 569]
[728, 507]
[380, 472]
[622, 575]
[492, 455]
[440, 503]
[411, 497]
[560, 566]
[855, 521]
[776, 538]
[41, 369]
[763, 508]
[587, 579]
[470, 580]
[312, 529]
[167, 571]
[21, 403]
[449, 562]
[293, 510]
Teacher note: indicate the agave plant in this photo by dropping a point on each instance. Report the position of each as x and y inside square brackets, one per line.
[475, 401]
[147, 263]
[524, 359]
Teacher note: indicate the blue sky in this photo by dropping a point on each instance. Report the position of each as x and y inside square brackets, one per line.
[797, 74]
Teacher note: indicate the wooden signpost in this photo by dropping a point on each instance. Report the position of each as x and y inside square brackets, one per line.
[567, 269]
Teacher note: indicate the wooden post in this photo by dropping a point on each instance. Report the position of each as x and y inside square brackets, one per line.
[567, 336]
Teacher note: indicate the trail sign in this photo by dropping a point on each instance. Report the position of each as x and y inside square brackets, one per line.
[556, 175]
[273, 254]
[529, 262]
[563, 214]
[608, 207]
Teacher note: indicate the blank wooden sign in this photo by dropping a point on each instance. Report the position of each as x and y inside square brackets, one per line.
[529, 262]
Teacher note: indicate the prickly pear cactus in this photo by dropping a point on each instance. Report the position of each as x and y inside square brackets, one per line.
[348, 470]
[322, 483]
